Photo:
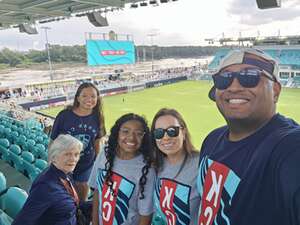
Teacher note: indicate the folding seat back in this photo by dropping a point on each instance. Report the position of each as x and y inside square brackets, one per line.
[14, 157]
[14, 200]
[41, 164]
[28, 165]
[4, 152]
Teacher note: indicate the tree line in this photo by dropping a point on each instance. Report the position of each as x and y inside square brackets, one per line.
[77, 54]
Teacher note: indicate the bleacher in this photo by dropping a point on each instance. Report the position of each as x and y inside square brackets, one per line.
[23, 155]
[286, 57]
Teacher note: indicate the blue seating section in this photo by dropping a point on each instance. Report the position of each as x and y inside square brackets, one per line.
[284, 56]
[24, 149]
[12, 200]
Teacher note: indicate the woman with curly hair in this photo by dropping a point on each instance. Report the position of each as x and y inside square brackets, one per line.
[122, 175]
[176, 198]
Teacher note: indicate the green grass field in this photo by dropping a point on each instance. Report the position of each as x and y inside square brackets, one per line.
[190, 99]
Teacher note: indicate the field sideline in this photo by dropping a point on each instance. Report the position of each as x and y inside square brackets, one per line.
[190, 99]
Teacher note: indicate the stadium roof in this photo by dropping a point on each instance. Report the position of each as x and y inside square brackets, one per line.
[16, 12]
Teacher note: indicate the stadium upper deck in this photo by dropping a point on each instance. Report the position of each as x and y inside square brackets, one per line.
[285, 50]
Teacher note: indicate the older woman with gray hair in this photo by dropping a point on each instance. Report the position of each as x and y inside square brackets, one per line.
[52, 198]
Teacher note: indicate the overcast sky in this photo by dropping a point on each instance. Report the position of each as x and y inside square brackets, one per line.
[184, 22]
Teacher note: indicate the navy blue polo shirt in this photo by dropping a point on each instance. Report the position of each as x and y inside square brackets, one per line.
[84, 128]
[48, 202]
[254, 181]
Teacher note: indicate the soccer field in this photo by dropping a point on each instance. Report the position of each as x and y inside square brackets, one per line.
[190, 99]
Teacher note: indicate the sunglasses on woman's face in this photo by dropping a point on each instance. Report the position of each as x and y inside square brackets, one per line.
[248, 78]
[172, 131]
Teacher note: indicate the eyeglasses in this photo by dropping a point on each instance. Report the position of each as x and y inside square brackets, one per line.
[172, 131]
[248, 78]
[127, 132]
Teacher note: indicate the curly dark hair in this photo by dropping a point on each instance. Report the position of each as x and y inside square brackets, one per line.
[145, 149]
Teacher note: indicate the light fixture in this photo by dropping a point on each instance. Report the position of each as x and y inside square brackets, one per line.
[134, 5]
[143, 4]
[164, 1]
[153, 2]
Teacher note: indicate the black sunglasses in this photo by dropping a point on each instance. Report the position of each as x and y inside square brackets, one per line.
[248, 78]
[172, 131]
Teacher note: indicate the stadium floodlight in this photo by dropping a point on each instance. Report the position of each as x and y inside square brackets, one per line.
[267, 4]
[153, 2]
[143, 4]
[48, 51]
[134, 5]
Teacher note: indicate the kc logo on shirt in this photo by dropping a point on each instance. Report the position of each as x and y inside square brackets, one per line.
[114, 205]
[217, 185]
[173, 199]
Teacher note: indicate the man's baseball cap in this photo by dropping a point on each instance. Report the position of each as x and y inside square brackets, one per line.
[245, 56]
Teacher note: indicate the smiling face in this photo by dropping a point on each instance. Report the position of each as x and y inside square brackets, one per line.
[172, 147]
[67, 160]
[87, 99]
[130, 138]
[251, 104]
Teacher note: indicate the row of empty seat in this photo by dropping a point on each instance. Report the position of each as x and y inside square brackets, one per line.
[12, 200]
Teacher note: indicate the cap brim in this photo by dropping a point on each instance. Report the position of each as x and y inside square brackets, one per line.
[212, 93]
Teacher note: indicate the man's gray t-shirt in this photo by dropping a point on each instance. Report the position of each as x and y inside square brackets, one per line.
[124, 207]
[176, 198]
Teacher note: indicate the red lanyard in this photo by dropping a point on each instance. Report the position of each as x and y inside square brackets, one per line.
[69, 187]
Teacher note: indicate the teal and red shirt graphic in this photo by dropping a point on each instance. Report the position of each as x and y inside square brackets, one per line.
[217, 185]
[113, 207]
[172, 201]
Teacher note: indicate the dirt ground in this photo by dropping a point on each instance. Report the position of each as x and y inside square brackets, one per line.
[19, 77]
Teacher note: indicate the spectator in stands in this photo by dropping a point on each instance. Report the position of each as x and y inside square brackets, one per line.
[122, 175]
[177, 165]
[85, 121]
[52, 199]
[249, 170]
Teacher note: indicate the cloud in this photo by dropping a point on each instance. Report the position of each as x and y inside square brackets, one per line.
[249, 14]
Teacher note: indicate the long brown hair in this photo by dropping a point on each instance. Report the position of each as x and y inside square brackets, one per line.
[98, 109]
[188, 146]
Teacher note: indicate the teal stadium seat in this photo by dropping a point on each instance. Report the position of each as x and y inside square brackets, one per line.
[2, 188]
[7, 132]
[14, 200]
[14, 157]
[29, 145]
[5, 219]
[2, 131]
[41, 164]
[21, 141]
[4, 145]
[29, 168]
[13, 136]
[39, 151]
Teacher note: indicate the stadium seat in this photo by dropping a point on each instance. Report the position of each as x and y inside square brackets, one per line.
[14, 200]
[14, 157]
[4, 145]
[38, 150]
[28, 165]
[29, 145]
[5, 219]
[21, 141]
[13, 136]
[2, 188]
[41, 164]
[2, 131]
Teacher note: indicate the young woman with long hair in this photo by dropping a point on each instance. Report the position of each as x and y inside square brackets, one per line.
[85, 121]
[176, 198]
[122, 175]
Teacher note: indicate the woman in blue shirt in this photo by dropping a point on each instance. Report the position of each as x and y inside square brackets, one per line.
[52, 199]
[85, 121]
